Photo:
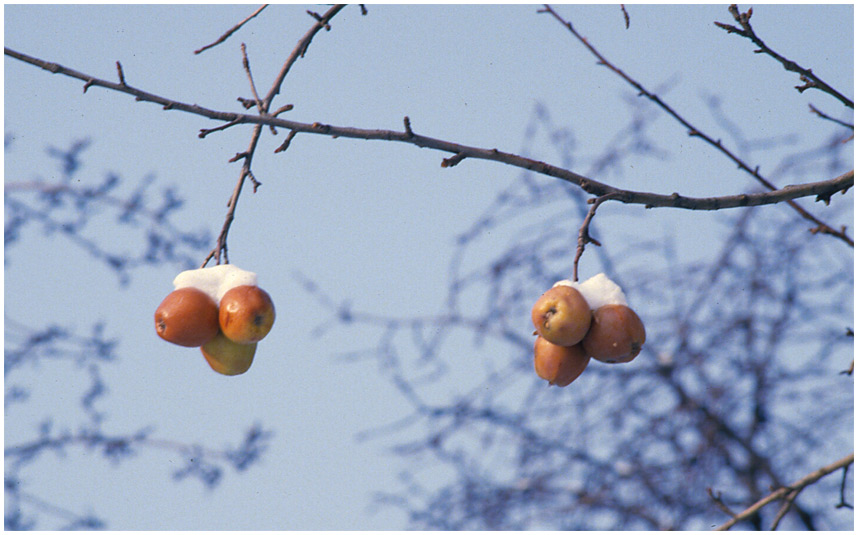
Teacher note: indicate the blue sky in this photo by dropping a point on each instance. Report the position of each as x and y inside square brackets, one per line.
[371, 222]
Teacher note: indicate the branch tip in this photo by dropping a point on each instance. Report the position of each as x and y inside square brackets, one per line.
[120, 73]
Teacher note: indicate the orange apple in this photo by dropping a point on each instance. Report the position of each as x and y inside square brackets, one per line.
[559, 365]
[616, 334]
[187, 317]
[561, 316]
[246, 314]
[228, 357]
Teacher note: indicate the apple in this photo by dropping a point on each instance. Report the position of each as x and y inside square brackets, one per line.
[246, 314]
[559, 365]
[228, 357]
[616, 334]
[187, 317]
[561, 316]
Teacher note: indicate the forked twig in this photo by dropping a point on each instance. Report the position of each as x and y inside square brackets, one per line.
[584, 232]
[263, 105]
[811, 80]
[822, 190]
[785, 492]
[821, 227]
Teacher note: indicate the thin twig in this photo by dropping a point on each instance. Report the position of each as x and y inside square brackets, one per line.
[286, 142]
[719, 502]
[206, 131]
[246, 64]
[789, 499]
[811, 81]
[625, 15]
[263, 105]
[843, 502]
[299, 51]
[263, 109]
[829, 118]
[119, 73]
[693, 131]
[783, 492]
[231, 31]
[584, 232]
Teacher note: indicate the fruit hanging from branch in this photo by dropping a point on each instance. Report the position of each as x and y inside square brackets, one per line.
[561, 316]
[579, 321]
[616, 334]
[559, 365]
[221, 310]
[187, 317]
[246, 314]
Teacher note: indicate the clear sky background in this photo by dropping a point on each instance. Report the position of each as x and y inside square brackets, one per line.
[371, 222]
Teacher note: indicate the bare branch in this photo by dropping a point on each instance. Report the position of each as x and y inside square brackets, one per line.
[231, 31]
[300, 50]
[784, 492]
[811, 81]
[829, 118]
[823, 189]
[119, 73]
[286, 142]
[584, 232]
[695, 132]
[246, 64]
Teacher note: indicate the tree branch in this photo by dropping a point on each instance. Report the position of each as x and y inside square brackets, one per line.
[695, 132]
[822, 190]
[231, 31]
[785, 492]
[811, 81]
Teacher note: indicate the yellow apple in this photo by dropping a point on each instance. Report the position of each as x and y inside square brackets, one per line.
[187, 317]
[228, 357]
[246, 314]
[559, 365]
[616, 334]
[561, 316]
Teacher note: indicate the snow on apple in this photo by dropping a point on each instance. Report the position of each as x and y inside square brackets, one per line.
[589, 319]
[215, 280]
[598, 290]
[222, 311]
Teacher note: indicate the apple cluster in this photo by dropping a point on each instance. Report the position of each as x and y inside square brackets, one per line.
[222, 311]
[576, 322]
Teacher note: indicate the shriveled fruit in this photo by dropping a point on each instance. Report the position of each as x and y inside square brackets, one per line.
[559, 365]
[561, 316]
[187, 317]
[616, 334]
[246, 314]
[228, 357]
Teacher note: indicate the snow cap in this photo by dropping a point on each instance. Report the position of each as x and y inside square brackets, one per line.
[598, 290]
[216, 280]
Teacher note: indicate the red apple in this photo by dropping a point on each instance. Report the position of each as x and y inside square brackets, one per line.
[616, 334]
[559, 365]
[246, 314]
[561, 316]
[187, 317]
[228, 357]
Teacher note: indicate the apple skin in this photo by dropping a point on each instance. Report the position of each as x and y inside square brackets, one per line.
[559, 365]
[246, 314]
[616, 334]
[187, 317]
[227, 357]
[561, 316]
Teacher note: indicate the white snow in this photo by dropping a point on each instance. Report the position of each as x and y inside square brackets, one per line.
[215, 280]
[598, 290]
